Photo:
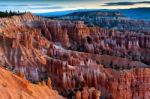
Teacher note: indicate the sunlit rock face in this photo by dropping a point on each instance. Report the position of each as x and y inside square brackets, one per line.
[14, 87]
[83, 62]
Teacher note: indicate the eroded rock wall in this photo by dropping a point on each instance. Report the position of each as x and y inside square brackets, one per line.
[77, 57]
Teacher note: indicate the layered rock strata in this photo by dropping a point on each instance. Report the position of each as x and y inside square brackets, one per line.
[75, 57]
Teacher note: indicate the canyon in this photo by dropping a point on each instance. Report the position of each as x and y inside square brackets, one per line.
[77, 60]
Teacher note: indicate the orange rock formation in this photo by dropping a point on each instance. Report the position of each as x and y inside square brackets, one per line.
[14, 87]
[75, 57]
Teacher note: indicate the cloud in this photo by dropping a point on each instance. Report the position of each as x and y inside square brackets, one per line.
[31, 7]
[125, 3]
[48, 7]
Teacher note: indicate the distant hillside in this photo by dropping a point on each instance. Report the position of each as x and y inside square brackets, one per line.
[95, 13]
[134, 13]
[72, 12]
[112, 19]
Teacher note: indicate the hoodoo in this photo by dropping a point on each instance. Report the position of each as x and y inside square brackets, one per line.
[77, 60]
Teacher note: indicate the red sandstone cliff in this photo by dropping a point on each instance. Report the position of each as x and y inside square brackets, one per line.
[77, 57]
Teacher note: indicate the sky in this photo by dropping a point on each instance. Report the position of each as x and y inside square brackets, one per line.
[42, 6]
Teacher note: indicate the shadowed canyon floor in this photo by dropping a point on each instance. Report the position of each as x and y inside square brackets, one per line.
[83, 62]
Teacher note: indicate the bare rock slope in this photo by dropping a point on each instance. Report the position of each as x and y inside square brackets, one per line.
[14, 87]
